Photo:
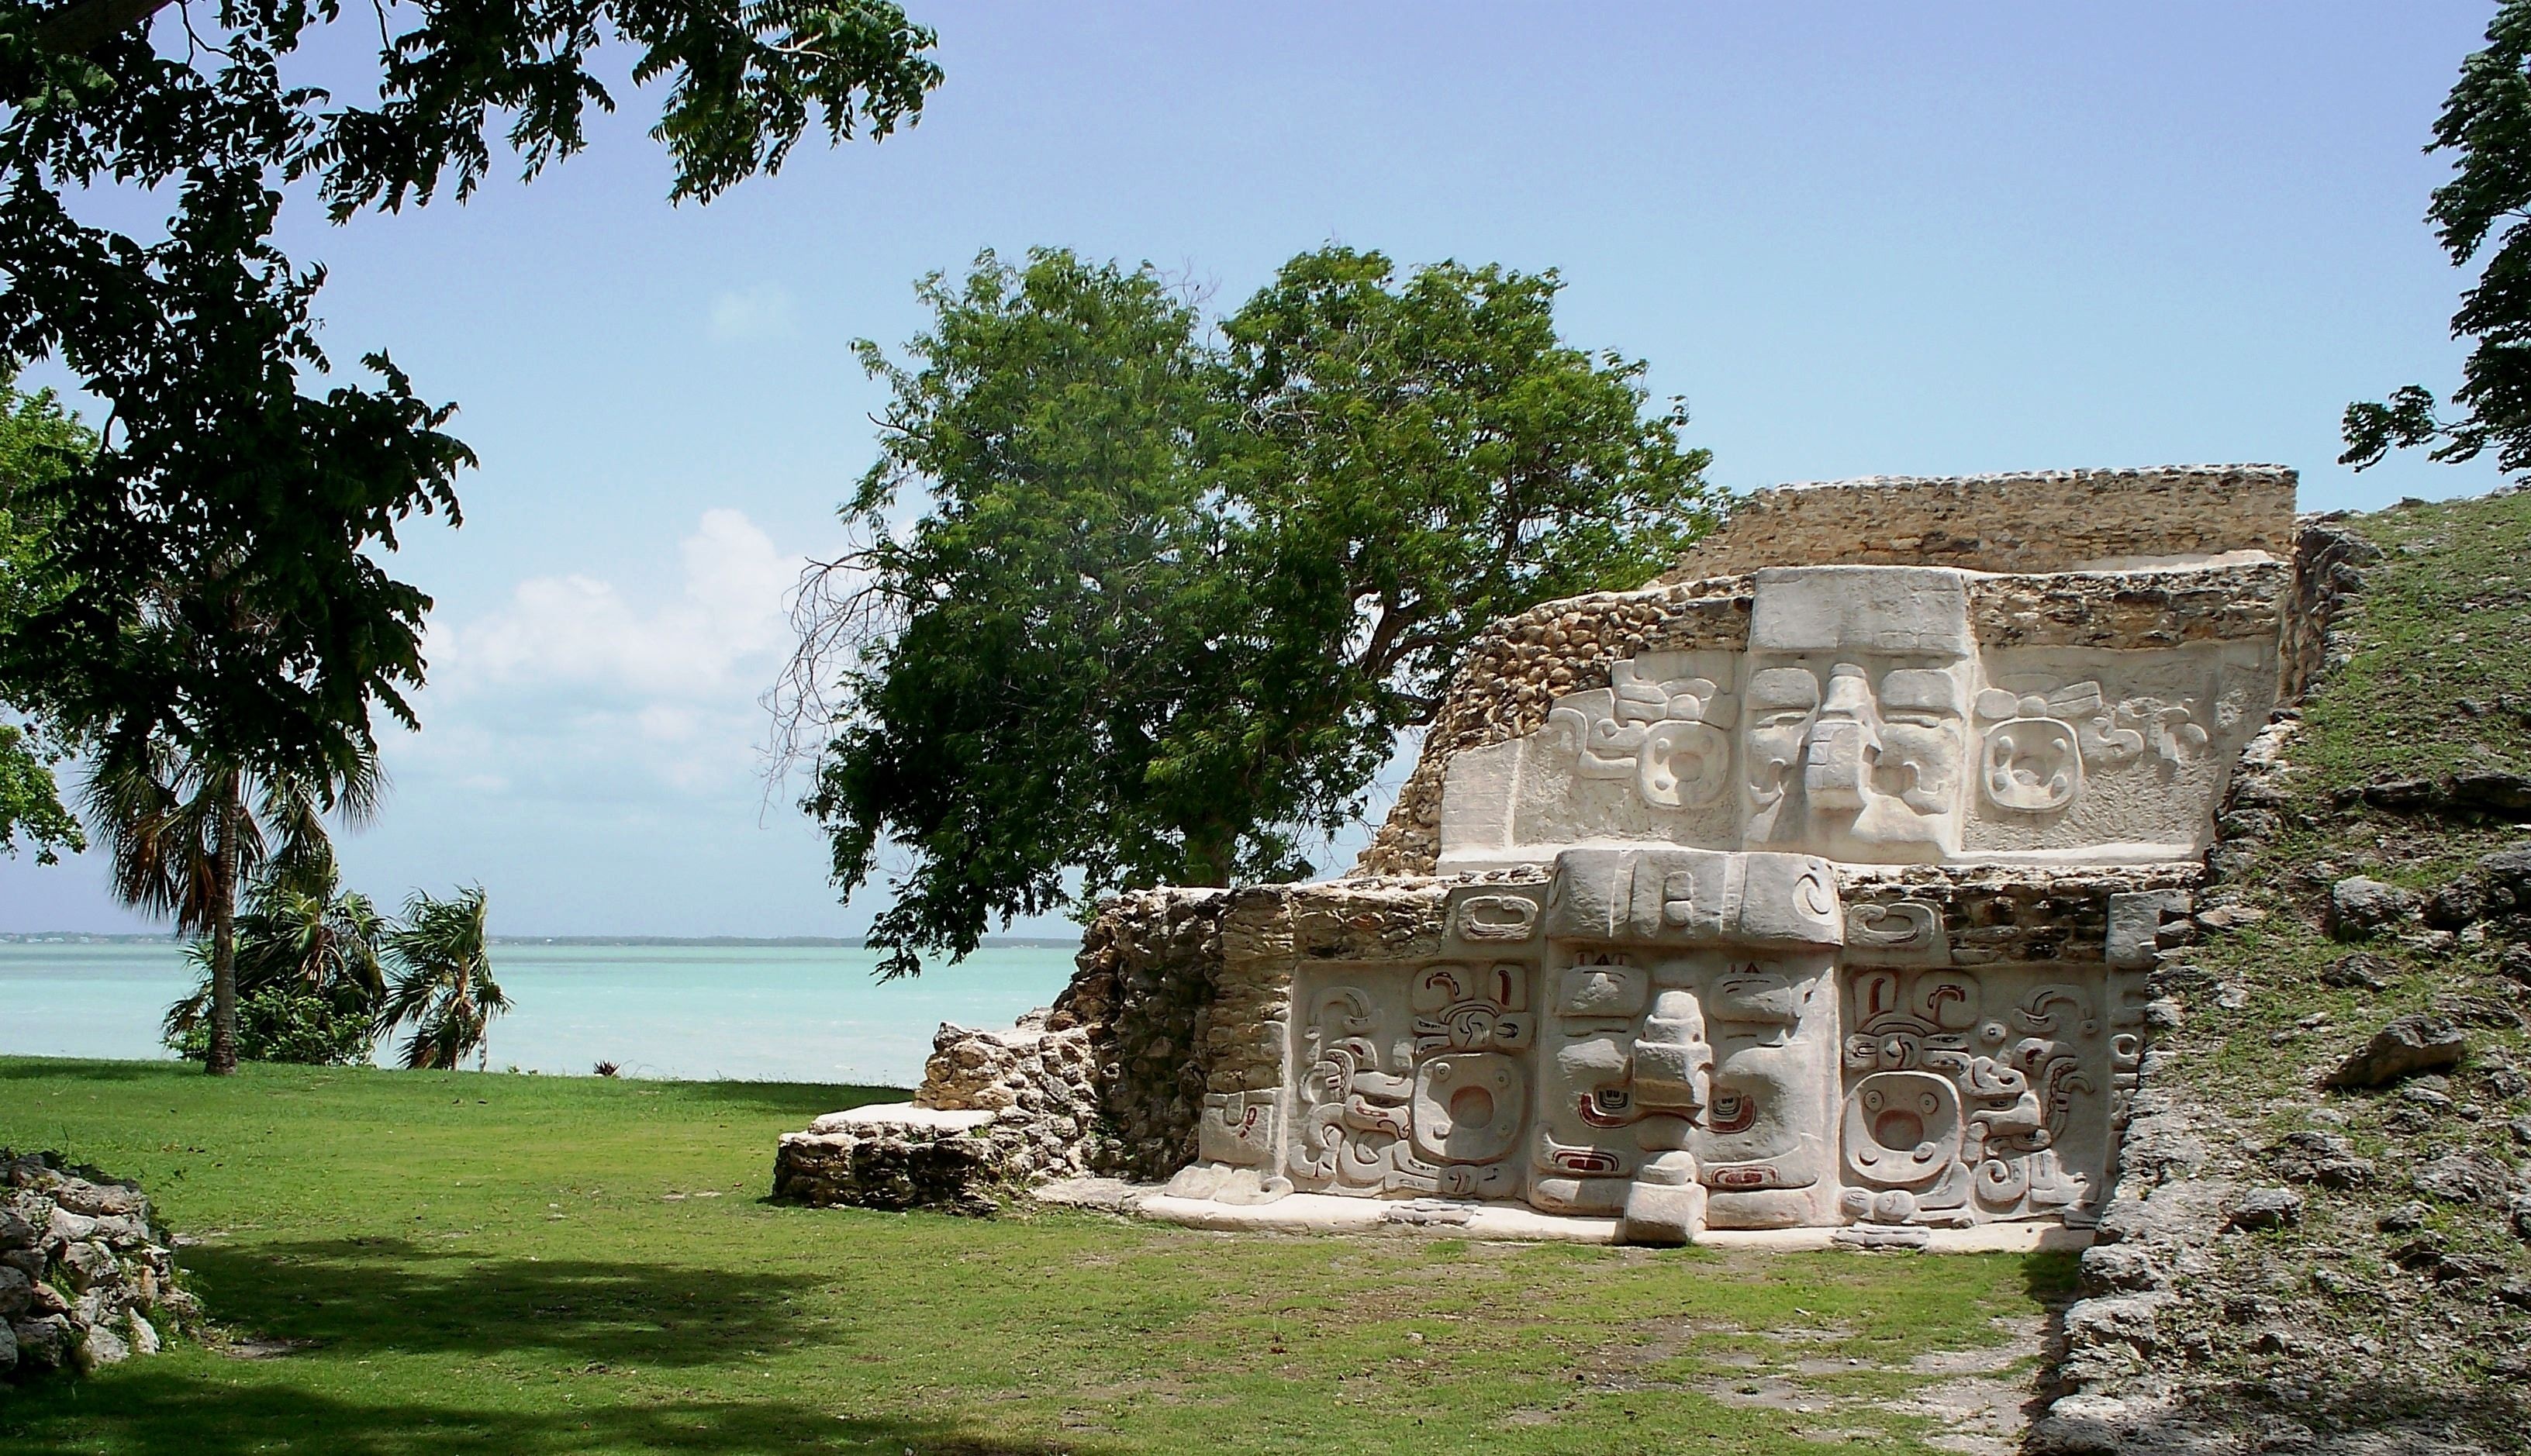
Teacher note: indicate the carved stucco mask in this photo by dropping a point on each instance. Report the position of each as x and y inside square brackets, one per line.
[1779, 703]
[1914, 788]
[1880, 767]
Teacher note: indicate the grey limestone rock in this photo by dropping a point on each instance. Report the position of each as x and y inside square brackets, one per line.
[2124, 1268]
[2359, 905]
[70, 1228]
[2325, 1158]
[43, 1343]
[88, 1264]
[2116, 1319]
[2507, 793]
[2461, 1178]
[2498, 885]
[2408, 1045]
[102, 1346]
[2266, 1207]
[2359, 970]
[2407, 1218]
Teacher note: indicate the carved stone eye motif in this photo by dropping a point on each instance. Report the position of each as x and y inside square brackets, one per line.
[2031, 764]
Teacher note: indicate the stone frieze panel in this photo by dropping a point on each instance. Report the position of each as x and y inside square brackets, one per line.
[1865, 723]
[1684, 1039]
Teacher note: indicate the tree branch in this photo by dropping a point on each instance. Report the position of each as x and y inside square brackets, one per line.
[1382, 652]
[83, 26]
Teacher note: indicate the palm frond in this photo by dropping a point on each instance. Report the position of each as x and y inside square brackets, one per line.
[444, 983]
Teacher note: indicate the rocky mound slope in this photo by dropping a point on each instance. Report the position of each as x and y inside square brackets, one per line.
[2319, 1241]
[86, 1277]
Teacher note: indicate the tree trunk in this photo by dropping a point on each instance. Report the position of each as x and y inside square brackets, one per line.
[222, 1060]
[1207, 857]
[474, 1018]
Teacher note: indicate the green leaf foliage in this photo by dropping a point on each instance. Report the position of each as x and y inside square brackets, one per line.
[442, 986]
[225, 538]
[1173, 591]
[275, 1024]
[229, 622]
[2486, 123]
[30, 803]
[39, 444]
[310, 977]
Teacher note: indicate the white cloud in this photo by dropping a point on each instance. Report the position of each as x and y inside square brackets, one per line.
[587, 690]
[581, 631]
[751, 314]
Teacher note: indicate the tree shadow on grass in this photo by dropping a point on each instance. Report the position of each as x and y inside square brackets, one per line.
[391, 1296]
[79, 1069]
[2052, 1277]
[155, 1412]
[800, 1099]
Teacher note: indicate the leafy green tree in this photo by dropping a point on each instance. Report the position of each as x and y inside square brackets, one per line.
[232, 619]
[39, 444]
[276, 1024]
[1173, 595]
[2486, 123]
[1424, 456]
[183, 832]
[443, 983]
[31, 803]
[310, 978]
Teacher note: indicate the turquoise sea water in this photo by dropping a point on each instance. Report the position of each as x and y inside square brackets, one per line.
[755, 1012]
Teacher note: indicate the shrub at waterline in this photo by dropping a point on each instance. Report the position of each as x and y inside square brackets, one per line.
[321, 976]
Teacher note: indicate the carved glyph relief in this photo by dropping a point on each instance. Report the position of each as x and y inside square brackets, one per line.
[1430, 1096]
[1865, 723]
[1683, 1040]
[1971, 1096]
[1670, 738]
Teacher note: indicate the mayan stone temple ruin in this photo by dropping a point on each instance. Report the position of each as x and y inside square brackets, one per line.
[1809, 889]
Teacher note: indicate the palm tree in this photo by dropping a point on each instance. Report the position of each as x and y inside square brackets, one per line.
[301, 936]
[182, 830]
[444, 983]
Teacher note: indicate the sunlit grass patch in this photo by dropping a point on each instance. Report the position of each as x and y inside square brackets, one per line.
[444, 1262]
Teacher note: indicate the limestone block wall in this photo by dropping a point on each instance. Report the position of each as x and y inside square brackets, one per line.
[2047, 521]
[1517, 669]
[2329, 569]
[86, 1276]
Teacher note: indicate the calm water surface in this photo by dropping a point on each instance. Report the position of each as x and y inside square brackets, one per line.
[809, 1014]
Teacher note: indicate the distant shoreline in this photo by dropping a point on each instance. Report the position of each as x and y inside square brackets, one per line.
[792, 942]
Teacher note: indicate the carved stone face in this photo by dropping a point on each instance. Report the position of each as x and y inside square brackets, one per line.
[1780, 703]
[1756, 993]
[1863, 774]
[1915, 789]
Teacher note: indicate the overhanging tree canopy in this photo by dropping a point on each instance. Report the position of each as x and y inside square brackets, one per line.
[1172, 597]
[219, 465]
[2486, 123]
[229, 611]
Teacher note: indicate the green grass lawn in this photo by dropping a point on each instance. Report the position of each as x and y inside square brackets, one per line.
[452, 1263]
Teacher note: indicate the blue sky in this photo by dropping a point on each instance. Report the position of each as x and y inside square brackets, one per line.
[1859, 238]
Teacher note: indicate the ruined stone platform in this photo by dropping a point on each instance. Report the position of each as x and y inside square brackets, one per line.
[1804, 897]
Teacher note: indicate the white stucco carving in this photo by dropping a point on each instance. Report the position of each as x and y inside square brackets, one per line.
[1798, 958]
[1866, 723]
